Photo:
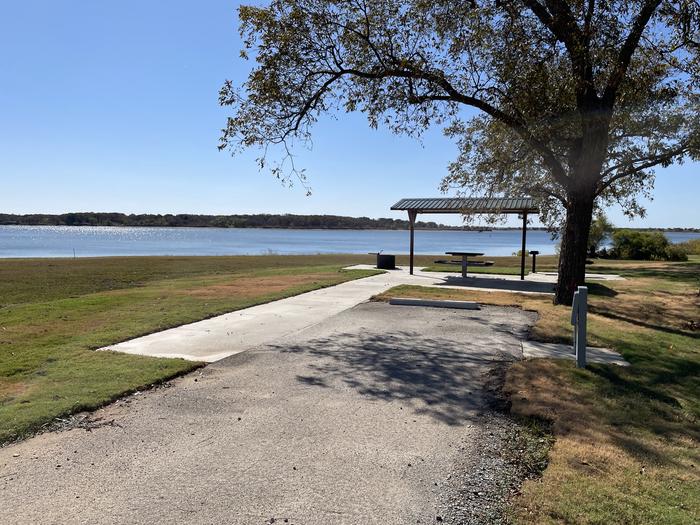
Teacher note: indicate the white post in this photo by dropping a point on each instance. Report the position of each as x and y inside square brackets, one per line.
[579, 314]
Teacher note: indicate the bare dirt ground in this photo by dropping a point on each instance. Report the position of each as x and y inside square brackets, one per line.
[376, 415]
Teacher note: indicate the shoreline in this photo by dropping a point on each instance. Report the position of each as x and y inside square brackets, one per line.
[332, 228]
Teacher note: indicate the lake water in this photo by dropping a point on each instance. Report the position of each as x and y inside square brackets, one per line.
[99, 241]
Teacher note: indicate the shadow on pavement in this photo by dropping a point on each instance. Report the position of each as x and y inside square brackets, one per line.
[499, 284]
[438, 377]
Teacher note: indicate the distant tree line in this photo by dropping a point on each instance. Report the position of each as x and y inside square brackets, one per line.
[216, 221]
[262, 220]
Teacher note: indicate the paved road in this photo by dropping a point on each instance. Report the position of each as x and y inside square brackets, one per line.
[357, 419]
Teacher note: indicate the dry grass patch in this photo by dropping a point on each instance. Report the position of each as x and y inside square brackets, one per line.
[255, 286]
[641, 302]
[620, 456]
[9, 390]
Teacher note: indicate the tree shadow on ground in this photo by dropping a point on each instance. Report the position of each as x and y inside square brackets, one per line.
[438, 377]
[607, 311]
[601, 290]
[629, 386]
[494, 283]
[677, 272]
[664, 414]
[614, 406]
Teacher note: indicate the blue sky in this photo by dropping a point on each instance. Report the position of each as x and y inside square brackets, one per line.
[112, 106]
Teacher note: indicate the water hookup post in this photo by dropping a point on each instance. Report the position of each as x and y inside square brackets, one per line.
[579, 314]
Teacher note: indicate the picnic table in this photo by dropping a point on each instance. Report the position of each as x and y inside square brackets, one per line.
[464, 256]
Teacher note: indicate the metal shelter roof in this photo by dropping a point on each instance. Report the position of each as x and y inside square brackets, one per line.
[468, 205]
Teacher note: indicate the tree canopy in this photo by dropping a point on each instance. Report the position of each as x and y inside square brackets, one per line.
[578, 100]
[601, 228]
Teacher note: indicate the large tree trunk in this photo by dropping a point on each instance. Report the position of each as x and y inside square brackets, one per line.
[574, 247]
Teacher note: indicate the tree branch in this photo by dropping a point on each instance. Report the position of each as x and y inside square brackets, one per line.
[588, 19]
[647, 162]
[311, 103]
[624, 56]
[559, 19]
[455, 96]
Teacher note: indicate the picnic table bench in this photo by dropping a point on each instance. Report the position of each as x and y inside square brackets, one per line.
[459, 261]
[465, 256]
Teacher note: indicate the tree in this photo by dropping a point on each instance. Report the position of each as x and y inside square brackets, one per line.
[577, 100]
[640, 245]
[601, 228]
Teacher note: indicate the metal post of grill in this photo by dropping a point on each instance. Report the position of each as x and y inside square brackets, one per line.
[534, 254]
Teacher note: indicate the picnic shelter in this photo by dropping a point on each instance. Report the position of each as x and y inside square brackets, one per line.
[521, 206]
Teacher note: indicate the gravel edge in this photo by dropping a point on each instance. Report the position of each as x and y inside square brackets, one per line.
[483, 483]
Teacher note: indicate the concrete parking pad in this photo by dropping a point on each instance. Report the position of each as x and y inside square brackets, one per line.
[219, 337]
[535, 349]
[235, 332]
[360, 418]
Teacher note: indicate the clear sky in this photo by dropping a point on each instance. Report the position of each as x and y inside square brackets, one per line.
[112, 106]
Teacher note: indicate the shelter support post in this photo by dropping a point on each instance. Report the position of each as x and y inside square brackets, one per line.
[411, 221]
[522, 249]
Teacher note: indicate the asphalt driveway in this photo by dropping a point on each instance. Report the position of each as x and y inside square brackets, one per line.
[361, 418]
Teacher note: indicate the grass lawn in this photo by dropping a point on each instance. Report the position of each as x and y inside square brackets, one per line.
[55, 312]
[627, 439]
